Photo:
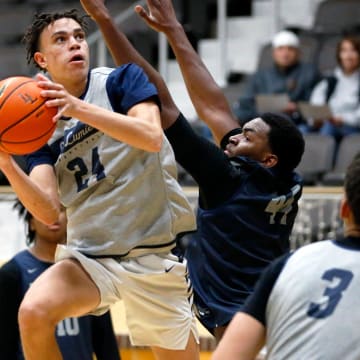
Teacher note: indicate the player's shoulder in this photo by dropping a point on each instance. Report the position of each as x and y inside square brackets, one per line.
[9, 270]
[116, 77]
[101, 70]
[311, 252]
[315, 246]
[124, 68]
[24, 259]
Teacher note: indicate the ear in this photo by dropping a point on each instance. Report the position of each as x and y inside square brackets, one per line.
[40, 59]
[345, 211]
[270, 160]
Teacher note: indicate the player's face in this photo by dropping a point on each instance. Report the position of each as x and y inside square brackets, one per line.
[349, 57]
[252, 142]
[54, 233]
[285, 56]
[64, 52]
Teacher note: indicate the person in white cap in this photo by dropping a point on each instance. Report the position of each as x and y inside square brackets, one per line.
[287, 75]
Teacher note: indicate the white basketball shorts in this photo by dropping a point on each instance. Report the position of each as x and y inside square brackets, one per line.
[156, 291]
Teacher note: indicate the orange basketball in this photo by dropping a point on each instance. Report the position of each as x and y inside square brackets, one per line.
[25, 122]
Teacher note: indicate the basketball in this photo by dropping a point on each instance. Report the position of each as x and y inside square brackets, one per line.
[25, 122]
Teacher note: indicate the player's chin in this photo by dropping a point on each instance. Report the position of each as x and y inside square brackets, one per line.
[232, 151]
[227, 153]
[79, 68]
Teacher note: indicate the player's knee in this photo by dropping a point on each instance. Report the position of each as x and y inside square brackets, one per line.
[32, 317]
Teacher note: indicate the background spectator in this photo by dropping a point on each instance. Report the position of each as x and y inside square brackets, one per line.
[288, 75]
[341, 91]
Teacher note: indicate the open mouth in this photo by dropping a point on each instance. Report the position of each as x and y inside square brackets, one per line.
[77, 58]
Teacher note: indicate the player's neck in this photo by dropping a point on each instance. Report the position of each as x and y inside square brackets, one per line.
[44, 252]
[353, 231]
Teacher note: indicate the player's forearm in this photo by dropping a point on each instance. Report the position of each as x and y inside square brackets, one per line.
[140, 127]
[199, 82]
[207, 97]
[38, 199]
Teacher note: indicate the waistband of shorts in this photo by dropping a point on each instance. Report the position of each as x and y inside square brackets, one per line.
[137, 251]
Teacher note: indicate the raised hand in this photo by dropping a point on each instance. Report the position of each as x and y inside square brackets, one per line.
[94, 8]
[161, 16]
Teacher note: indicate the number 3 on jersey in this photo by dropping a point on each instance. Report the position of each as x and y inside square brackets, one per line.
[339, 281]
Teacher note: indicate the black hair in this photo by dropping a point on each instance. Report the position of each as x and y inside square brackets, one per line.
[285, 140]
[40, 22]
[26, 216]
[352, 187]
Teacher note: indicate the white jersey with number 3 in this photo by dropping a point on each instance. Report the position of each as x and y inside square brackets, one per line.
[318, 318]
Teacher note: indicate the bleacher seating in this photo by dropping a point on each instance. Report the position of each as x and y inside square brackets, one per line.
[336, 16]
[317, 158]
[13, 61]
[13, 22]
[326, 59]
[299, 14]
[348, 148]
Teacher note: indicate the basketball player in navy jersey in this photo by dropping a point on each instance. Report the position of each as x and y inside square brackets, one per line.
[303, 305]
[78, 338]
[109, 164]
[248, 192]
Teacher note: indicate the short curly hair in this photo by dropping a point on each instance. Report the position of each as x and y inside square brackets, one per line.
[285, 140]
[40, 22]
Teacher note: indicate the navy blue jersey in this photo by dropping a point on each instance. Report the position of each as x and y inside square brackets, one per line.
[245, 216]
[78, 338]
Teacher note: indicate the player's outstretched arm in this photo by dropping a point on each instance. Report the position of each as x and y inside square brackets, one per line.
[123, 52]
[207, 97]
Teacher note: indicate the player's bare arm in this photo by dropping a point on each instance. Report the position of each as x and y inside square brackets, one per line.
[140, 128]
[207, 97]
[38, 192]
[243, 339]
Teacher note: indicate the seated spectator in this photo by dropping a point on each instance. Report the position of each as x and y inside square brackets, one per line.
[341, 91]
[288, 75]
[79, 338]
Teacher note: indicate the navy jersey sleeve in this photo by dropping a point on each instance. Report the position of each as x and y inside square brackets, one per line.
[127, 86]
[204, 161]
[39, 157]
[103, 338]
[256, 304]
[10, 298]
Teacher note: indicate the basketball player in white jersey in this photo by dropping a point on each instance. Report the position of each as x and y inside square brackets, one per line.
[109, 164]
